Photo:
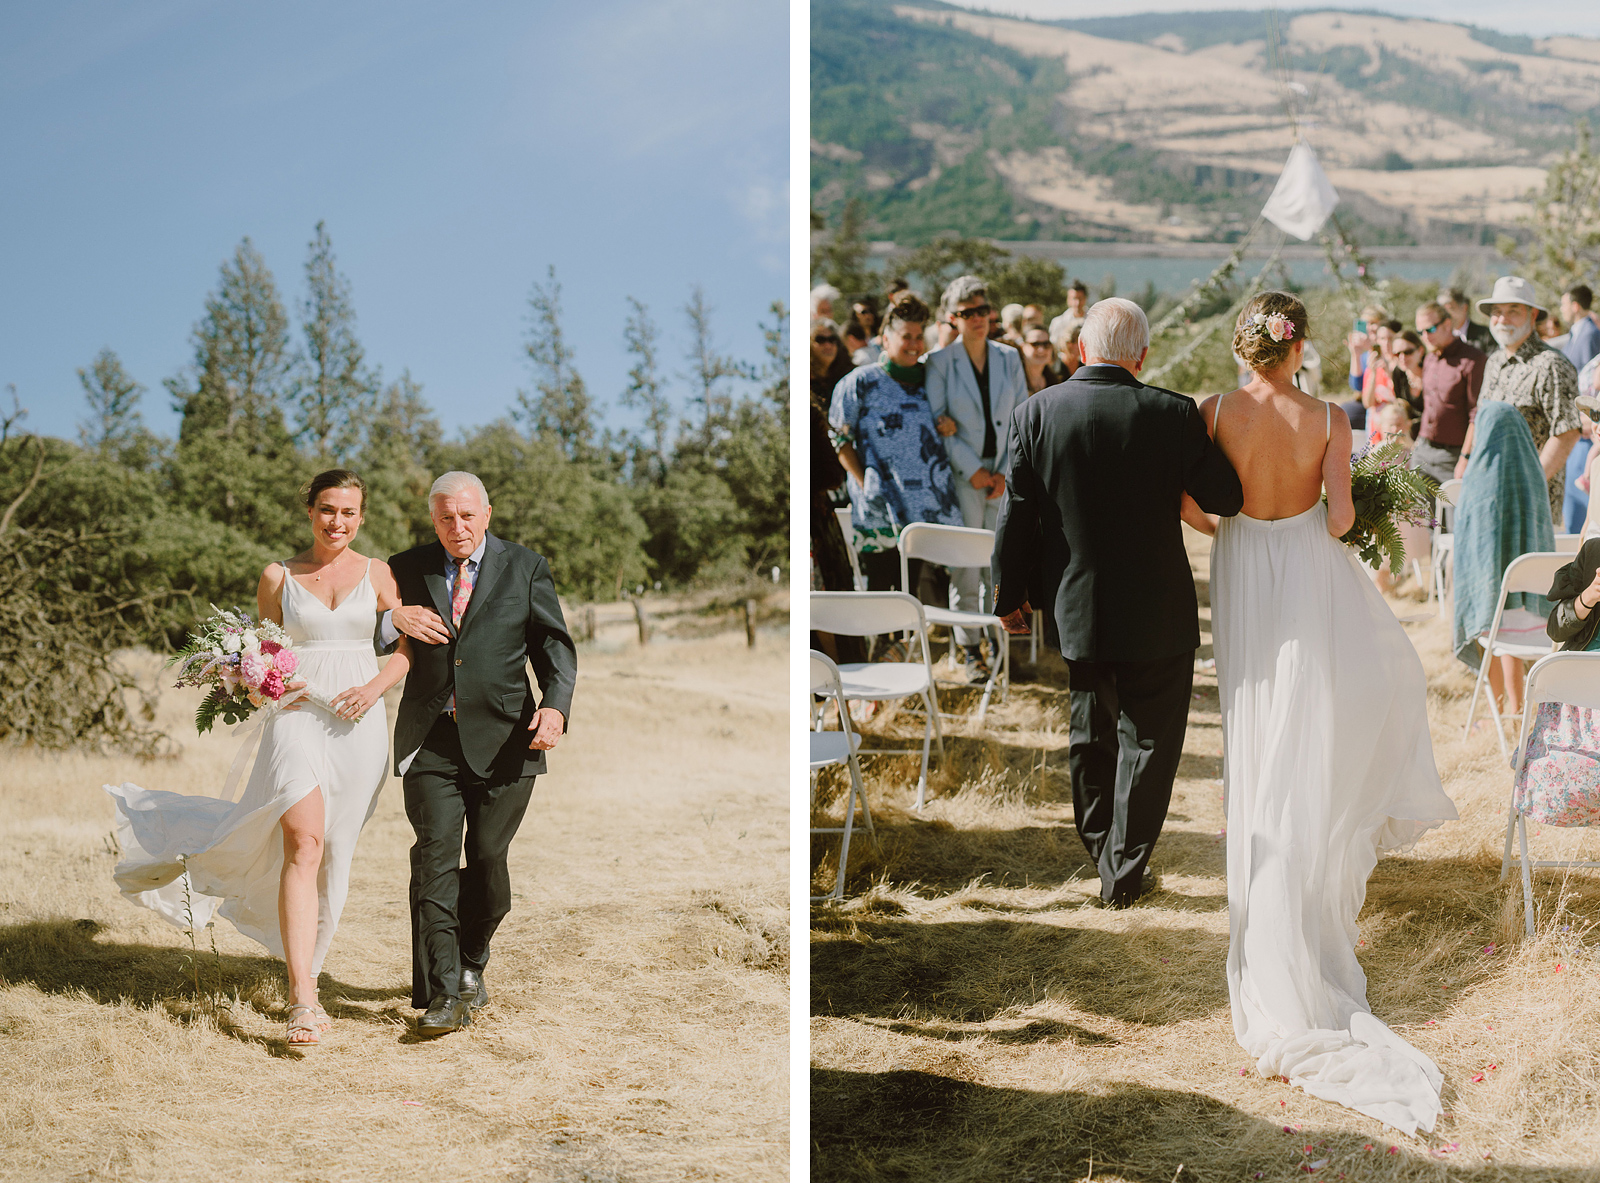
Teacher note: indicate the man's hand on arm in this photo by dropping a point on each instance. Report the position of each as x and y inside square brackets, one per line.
[547, 725]
[424, 624]
[997, 484]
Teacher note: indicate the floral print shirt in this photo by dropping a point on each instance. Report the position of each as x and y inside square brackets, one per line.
[908, 476]
[1542, 384]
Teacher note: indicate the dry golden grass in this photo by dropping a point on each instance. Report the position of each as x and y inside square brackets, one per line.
[975, 1019]
[639, 1024]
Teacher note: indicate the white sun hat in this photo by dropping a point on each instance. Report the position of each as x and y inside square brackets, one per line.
[1512, 289]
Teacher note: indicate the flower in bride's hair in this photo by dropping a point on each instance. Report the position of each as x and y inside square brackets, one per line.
[252, 668]
[285, 662]
[1280, 328]
[272, 685]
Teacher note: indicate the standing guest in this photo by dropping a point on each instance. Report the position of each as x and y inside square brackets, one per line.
[1077, 302]
[866, 314]
[1032, 315]
[822, 298]
[1407, 374]
[1377, 379]
[825, 351]
[1575, 504]
[1529, 375]
[1363, 344]
[1551, 332]
[855, 344]
[1039, 364]
[1583, 343]
[883, 431]
[973, 385]
[1454, 302]
[1011, 325]
[1064, 332]
[1452, 377]
[1501, 513]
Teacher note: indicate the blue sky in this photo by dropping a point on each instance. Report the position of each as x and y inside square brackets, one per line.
[454, 151]
[1549, 17]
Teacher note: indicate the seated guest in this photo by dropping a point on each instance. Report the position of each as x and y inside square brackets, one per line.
[1502, 511]
[1559, 782]
[1039, 363]
[883, 431]
[1452, 376]
[973, 386]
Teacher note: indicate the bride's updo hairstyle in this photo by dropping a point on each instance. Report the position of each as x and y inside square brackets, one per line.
[334, 478]
[1260, 338]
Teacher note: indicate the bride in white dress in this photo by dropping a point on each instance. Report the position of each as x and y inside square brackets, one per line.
[277, 861]
[1327, 760]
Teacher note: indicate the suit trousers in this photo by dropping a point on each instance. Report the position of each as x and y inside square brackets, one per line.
[1124, 744]
[455, 909]
[966, 594]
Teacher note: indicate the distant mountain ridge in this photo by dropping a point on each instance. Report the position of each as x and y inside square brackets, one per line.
[1172, 127]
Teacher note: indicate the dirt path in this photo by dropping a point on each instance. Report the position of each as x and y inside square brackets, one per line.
[975, 1017]
[639, 1024]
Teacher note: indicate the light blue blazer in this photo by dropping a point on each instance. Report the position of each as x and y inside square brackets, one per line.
[953, 390]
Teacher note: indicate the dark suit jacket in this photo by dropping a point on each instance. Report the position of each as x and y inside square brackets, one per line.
[1570, 582]
[1091, 522]
[513, 619]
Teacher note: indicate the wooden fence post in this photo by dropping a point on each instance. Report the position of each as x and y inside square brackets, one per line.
[644, 621]
[588, 622]
[750, 623]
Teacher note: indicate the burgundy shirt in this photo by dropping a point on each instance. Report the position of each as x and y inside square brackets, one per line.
[1451, 381]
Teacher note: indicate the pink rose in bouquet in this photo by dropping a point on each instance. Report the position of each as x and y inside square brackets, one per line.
[270, 647]
[284, 661]
[272, 685]
[252, 668]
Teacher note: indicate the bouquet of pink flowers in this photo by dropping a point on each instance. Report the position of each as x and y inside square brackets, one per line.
[247, 664]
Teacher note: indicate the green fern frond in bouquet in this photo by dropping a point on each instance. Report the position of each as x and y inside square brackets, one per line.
[1387, 492]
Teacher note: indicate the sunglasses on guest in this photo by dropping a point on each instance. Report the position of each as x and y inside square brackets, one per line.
[1434, 328]
[969, 313]
[826, 339]
[1406, 352]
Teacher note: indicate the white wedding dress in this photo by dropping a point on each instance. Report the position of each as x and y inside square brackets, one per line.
[235, 849]
[1327, 762]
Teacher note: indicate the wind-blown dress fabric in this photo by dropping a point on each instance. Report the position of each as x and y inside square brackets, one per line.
[1327, 762]
[235, 849]
[1503, 511]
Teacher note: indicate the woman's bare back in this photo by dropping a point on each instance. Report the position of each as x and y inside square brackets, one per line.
[1286, 447]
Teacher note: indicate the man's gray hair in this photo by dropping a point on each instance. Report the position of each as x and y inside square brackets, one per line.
[961, 289]
[1115, 330]
[1011, 315]
[1064, 331]
[453, 484]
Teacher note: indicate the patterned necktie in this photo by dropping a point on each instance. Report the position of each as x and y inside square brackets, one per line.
[458, 602]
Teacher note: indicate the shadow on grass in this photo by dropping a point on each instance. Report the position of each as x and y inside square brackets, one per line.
[64, 957]
[904, 1125]
[973, 971]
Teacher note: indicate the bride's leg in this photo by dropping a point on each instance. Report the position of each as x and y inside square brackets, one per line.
[303, 828]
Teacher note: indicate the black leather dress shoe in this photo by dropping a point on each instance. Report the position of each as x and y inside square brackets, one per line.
[1147, 884]
[445, 1014]
[473, 989]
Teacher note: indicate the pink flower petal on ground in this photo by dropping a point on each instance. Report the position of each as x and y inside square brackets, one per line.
[418, 1104]
[1243, 1072]
[1559, 968]
[1477, 1078]
[1394, 1150]
[1488, 948]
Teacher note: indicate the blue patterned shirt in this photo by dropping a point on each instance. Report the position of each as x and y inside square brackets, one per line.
[908, 476]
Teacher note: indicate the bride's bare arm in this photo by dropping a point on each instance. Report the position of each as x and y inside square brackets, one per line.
[356, 701]
[1336, 476]
[269, 593]
[1202, 521]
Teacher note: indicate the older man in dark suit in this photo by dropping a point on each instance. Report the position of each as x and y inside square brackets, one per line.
[1098, 468]
[470, 736]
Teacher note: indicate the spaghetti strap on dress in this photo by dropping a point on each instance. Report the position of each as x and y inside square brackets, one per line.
[234, 849]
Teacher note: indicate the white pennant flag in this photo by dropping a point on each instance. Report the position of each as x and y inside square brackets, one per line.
[1304, 197]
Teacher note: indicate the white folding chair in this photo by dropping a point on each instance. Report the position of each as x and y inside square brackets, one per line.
[959, 546]
[1443, 544]
[849, 532]
[870, 614]
[1572, 678]
[1533, 572]
[1568, 544]
[836, 747]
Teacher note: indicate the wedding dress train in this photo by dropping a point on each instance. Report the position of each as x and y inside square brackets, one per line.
[1327, 762]
[235, 849]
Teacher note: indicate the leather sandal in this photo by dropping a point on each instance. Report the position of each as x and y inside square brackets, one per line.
[302, 1021]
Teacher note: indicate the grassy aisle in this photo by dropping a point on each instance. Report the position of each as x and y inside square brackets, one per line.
[639, 1023]
[976, 1018]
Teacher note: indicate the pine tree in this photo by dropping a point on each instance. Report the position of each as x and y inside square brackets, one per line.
[707, 371]
[560, 411]
[399, 458]
[113, 396]
[645, 391]
[335, 394]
